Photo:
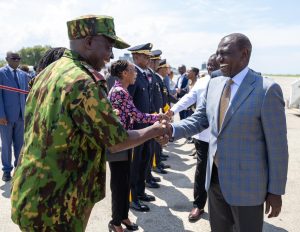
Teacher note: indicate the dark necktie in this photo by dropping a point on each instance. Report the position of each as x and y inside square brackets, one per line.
[16, 78]
[148, 77]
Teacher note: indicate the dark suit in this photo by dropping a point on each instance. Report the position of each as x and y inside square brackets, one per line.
[184, 84]
[159, 101]
[12, 106]
[142, 94]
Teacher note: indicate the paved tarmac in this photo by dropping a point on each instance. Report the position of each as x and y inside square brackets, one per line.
[174, 199]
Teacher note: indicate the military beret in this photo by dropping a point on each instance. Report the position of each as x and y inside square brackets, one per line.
[142, 49]
[92, 25]
[163, 64]
[155, 55]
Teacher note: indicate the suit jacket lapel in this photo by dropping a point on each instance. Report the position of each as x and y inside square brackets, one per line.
[242, 94]
[9, 76]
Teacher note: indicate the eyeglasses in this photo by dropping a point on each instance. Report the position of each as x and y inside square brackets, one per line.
[15, 58]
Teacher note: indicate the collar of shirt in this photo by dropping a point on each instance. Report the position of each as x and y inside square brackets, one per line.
[11, 69]
[160, 76]
[141, 70]
[238, 78]
[118, 84]
[237, 81]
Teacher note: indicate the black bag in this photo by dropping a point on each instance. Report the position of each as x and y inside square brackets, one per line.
[118, 156]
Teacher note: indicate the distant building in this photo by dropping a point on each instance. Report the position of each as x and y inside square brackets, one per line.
[203, 66]
[126, 56]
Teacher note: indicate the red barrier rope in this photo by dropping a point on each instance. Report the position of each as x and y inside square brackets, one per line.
[13, 89]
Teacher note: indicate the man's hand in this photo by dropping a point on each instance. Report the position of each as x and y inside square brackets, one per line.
[164, 117]
[164, 139]
[3, 121]
[170, 113]
[274, 202]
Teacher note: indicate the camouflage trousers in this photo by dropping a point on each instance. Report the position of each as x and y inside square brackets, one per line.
[70, 227]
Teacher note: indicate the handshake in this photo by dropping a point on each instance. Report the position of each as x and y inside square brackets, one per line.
[163, 128]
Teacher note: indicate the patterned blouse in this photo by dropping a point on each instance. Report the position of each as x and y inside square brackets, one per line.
[127, 112]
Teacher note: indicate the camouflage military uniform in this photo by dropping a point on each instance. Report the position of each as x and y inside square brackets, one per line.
[68, 124]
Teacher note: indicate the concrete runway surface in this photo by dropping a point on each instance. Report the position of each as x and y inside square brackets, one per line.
[169, 213]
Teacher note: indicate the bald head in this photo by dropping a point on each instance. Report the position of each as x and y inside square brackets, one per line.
[241, 41]
[233, 53]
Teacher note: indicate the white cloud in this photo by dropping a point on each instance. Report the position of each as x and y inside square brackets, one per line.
[186, 31]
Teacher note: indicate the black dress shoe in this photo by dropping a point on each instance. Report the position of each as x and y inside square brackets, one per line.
[164, 155]
[152, 184]
[155, 179]
[164, 166]
[131, 227]
[6, 176]
[163, 159]
[139, 206]
[159, 170]
[192, 154]
[146, 197]
[189, 140]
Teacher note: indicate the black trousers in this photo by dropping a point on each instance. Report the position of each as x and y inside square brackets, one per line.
[140, 161]
[225, 217]
[183, 114]
[200, 194]
[120, 189]
[156, 153]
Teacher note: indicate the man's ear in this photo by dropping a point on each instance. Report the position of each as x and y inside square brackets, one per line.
[88, 42]
[246, 54]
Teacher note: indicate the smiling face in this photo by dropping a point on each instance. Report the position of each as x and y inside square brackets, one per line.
[231, 56]
[129, 74]
[190, 74]
[101, 51]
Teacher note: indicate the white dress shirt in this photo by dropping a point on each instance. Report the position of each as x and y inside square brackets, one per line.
[192, 97]
[179, 83]
[237, 81]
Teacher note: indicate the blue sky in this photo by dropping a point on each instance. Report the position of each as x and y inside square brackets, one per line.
[187, 31]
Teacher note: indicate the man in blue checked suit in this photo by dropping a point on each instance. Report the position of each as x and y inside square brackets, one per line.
[248, 153]
[12, 107]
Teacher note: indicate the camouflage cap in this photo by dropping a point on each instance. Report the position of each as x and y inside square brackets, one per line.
[92, 25]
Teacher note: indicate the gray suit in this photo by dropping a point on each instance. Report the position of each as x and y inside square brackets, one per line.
[251, 145]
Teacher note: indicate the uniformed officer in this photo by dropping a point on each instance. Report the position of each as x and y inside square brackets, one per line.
[142, 94]
[160, 99]
[68, 125]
